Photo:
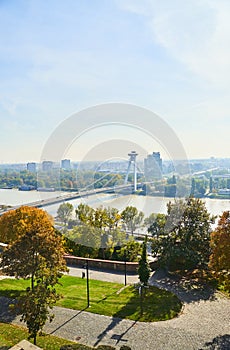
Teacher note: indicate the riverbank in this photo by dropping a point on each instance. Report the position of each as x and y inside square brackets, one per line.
[147, 204]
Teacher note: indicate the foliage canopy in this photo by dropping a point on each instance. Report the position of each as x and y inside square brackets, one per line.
[219, 262]
[35, 251]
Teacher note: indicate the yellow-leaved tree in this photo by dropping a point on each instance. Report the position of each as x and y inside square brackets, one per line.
[35, 251]
[219, 262]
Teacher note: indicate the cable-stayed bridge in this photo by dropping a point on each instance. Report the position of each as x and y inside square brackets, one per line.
[120, 189]
[90, 189]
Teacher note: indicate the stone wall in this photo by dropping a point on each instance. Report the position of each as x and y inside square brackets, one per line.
[131, 267]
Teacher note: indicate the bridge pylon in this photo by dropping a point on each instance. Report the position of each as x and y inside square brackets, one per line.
[132, 160]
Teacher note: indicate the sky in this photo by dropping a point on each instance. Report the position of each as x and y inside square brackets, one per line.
[58, 58]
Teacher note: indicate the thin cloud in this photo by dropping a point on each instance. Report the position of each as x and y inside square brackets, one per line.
[195, 33]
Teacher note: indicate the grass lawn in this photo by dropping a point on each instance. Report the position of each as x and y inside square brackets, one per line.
[11, 335]
[107, 298]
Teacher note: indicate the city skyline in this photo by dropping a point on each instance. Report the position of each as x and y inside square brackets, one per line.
[60, 58]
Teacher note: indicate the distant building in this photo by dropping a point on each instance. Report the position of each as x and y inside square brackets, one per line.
[224, 191]
[47, 165]
[32, 167]
[65, 164]
[153, 166]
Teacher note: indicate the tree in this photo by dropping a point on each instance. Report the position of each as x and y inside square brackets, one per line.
[85, 214]
[129, 251]
[100, 218]
[170, 190]
[193, 187]
[15, 222]
[156, 226]
[132, 218]
[143, 267]
[35, 251]
[35, 305]
[219, 262]
[65, 212]
[183, 241]
[210, 184]
[87, 238]
[113, 218]
[171, 187]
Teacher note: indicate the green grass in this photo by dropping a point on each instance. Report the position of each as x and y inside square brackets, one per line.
[11, 335]
[106, 298]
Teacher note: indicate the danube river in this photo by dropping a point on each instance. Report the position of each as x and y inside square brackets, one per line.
[147, 204]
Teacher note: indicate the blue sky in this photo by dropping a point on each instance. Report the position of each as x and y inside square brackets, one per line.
[59, 57]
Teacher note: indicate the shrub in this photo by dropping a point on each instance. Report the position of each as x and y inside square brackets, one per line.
[75, 347]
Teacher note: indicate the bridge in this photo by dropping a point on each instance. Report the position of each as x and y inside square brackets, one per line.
[87, 191]
[123, 189]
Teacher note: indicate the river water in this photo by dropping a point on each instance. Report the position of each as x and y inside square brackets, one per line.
[147, 204]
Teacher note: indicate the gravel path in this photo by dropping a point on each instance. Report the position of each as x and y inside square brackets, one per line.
[204, 323]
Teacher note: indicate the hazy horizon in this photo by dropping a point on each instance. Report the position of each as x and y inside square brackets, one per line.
[59, 58]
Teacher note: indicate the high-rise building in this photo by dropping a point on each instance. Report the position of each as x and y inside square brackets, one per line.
[31, 167]
[47, 165]
[153, 166]
[65, 164]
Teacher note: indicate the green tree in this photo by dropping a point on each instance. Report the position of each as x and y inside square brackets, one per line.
[172, 180]
[143, 267]
[170, 190]
[85, 214]
[132, 218]
[35, 305]
[183, 242]
[35, 251]
[156, 226]
[210, 184]
[193, 187]
[100, 218]
[87, 240]
[129, 251]
[65, 212]
[219, 262]
[113, 218]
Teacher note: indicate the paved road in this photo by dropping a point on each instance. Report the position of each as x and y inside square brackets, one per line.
[104, 276]
[204, 323]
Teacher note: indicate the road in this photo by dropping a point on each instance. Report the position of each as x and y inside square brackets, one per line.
[105, 275]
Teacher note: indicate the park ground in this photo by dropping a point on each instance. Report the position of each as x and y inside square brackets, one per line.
[204, 323]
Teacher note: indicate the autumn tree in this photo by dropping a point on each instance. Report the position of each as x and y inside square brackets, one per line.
[15, 223]
[35, 251]
[219, 262]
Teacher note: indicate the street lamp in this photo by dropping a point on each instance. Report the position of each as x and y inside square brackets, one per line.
[87, 281]
[86, 266]
[125, 268]
[141, 297]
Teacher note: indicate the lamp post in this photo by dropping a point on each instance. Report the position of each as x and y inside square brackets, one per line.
[141, 297]
[87, 281]
[125, 268]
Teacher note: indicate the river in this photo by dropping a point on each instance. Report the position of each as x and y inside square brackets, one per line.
[147, 204]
